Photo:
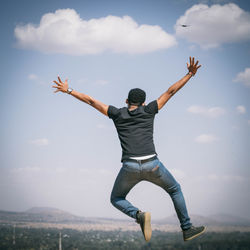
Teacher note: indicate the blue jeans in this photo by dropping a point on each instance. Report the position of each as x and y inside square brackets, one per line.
[154, 171]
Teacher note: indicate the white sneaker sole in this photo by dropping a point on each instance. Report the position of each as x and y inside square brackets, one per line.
[147, 227]
[195, 235]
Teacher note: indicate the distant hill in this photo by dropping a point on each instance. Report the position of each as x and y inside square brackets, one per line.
[41, 214]
[54, 215]
[228, 219]
[212, 220]
[48, 210]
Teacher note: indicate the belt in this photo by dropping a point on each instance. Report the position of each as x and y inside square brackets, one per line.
[142, 161]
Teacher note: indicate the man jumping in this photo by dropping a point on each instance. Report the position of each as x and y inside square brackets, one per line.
[134, 125]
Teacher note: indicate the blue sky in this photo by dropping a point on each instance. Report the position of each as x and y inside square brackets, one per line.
[59, 152]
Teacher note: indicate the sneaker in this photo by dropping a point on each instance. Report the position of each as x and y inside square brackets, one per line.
[144, 218]
[192, 232]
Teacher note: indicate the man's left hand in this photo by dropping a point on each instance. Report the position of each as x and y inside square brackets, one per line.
[61, 86]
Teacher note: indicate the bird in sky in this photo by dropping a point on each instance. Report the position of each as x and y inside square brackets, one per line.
[185, 25]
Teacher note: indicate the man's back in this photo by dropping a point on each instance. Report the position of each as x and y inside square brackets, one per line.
[135, 129]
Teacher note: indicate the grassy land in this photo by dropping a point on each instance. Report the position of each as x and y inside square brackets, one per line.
[48, 238]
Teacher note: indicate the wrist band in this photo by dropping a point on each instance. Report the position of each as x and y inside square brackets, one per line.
[190, 73]
[69, 90]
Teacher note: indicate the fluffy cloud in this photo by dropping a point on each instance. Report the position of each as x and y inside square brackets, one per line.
[244, 77]
[65, 32]
[215, 25]
[178, 173]
[32, 77]
[208, 112]
[206, 138]
[25, 169]
[102, 82]
[232, 178]
[40, 142]
[241, 109]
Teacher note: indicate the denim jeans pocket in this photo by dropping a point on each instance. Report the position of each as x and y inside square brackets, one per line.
[156, 171]
[153, 169]
[131, 167]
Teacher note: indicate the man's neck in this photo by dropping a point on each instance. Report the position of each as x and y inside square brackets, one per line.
[132, 107]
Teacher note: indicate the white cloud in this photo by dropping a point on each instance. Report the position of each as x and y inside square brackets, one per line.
[213, 112]
[88, 173]
[213, 177]
[241, 109]
[104, 126]
[66, 32]
[101, 126]
[230, 178]
[234, 178]
[36, 79]
[244, 77]
[206, 138]
[178, 173]
[25, 169]
[214, 1]
[40, 142]
[82, 81]
[102, 82]
[32, 77]
[214, 25]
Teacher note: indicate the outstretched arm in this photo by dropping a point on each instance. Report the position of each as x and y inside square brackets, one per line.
[63, 87]
[192, 69]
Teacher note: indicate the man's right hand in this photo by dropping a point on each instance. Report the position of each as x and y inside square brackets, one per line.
[61, 86]
[193, 67]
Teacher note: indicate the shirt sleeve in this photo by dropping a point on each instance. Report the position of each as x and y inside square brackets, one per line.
[112, 112]
[152, 107]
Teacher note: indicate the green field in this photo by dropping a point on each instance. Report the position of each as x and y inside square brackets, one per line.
[30, 238]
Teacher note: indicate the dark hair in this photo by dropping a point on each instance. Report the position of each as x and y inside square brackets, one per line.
[136, 96]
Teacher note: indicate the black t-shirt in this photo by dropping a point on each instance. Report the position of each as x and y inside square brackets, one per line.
[135, 129]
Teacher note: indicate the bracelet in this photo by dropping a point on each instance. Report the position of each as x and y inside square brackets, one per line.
[69, 90]
[190, 73]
